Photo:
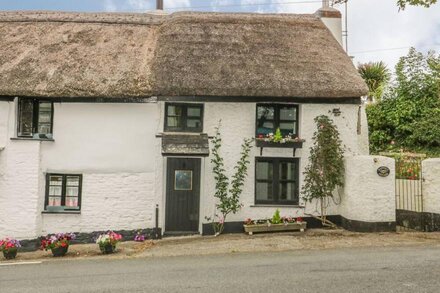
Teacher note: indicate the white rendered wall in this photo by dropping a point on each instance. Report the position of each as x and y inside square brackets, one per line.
[431, 185]
[112, 145]
[238, 122]
[19, 190]
[368, 197]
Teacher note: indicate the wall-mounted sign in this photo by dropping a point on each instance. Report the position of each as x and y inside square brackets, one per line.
[383, 171]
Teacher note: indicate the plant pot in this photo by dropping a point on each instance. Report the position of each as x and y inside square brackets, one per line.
[59, 251]
[10, 253]
[107, 248]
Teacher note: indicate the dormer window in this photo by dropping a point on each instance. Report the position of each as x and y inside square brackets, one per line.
[183, 117]
[35, 118]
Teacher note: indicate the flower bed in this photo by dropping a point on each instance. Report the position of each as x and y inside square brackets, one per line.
[277, 140]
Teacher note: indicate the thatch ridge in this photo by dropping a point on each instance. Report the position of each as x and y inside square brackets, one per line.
[59, 54]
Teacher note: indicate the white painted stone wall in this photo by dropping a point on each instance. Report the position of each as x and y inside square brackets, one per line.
[431, 185]
[19, 189]
[110, 201]
[368, 197]
[238, 122]
[112, 145]
[116, 149]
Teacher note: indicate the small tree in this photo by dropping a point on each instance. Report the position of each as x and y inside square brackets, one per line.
[228, 196]
[325, 171]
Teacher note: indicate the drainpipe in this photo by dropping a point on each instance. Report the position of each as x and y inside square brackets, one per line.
[159, 4]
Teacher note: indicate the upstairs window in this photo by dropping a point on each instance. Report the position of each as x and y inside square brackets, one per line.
[63, 192]
[276, 181]
[270, 117]
[35, 118]
[183, 117]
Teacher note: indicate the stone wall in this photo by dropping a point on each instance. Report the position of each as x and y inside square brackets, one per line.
[431, 185]
[368, 201]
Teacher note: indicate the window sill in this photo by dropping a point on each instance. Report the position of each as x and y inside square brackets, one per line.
[277, 206]
[31, 138]
[62, 212]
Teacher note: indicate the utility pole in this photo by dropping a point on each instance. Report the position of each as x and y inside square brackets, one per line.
[159, 4]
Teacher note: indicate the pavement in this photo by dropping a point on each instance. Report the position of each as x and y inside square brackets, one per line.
[370, 269]
[314, 239]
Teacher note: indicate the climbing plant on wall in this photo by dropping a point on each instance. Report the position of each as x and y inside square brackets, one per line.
[325, 171]
[227, 194]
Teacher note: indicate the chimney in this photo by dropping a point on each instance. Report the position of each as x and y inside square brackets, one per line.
[332, 19]
[159, 4]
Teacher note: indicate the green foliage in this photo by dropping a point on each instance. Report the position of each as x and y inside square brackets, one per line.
[376, 76]
[326, 170]
[424, 3]
[408, 117]
[277, 136]
[228, 195]
[276, 218]
[400, 3]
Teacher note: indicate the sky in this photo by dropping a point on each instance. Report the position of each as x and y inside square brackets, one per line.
[377, 31]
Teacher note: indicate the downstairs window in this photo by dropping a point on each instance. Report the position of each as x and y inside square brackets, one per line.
[63, 192]
[276, 181]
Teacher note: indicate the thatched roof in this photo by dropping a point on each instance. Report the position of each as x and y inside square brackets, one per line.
[54, 54]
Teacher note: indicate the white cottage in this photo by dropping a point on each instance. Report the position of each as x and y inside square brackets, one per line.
[105, 116]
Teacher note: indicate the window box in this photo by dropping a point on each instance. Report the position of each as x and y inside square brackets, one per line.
[296, 144]
[267, 227]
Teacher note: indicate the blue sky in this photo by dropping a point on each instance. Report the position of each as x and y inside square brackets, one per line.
[377, 31]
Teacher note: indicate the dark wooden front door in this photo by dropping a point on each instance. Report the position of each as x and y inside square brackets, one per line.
[182, 195]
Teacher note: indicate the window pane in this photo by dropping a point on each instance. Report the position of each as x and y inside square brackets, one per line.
[174, 110]
[194, 112]
[287, 171]
[288, 128]
[264, 171]
[56, 180]
[72, 191]
[173, 122]
[288, 113]
[72, 180]
[55, 190]
[25, 117]
[193, 123]
[265, 112]
[71, 201]
[264, 191]
[54, 201]
[182, 180]
[287, 191]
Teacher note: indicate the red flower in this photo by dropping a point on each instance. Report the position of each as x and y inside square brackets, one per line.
[63, 244]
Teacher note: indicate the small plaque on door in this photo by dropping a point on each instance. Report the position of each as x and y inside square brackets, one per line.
[183, 179]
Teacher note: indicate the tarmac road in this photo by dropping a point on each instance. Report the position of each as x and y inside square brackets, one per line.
[410, 269]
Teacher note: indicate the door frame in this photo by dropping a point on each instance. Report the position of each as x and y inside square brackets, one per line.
[198, 164]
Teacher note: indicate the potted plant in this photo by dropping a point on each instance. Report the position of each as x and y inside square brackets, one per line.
[9, 247]
[276, 224]
[57, 243]
[107, 241]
